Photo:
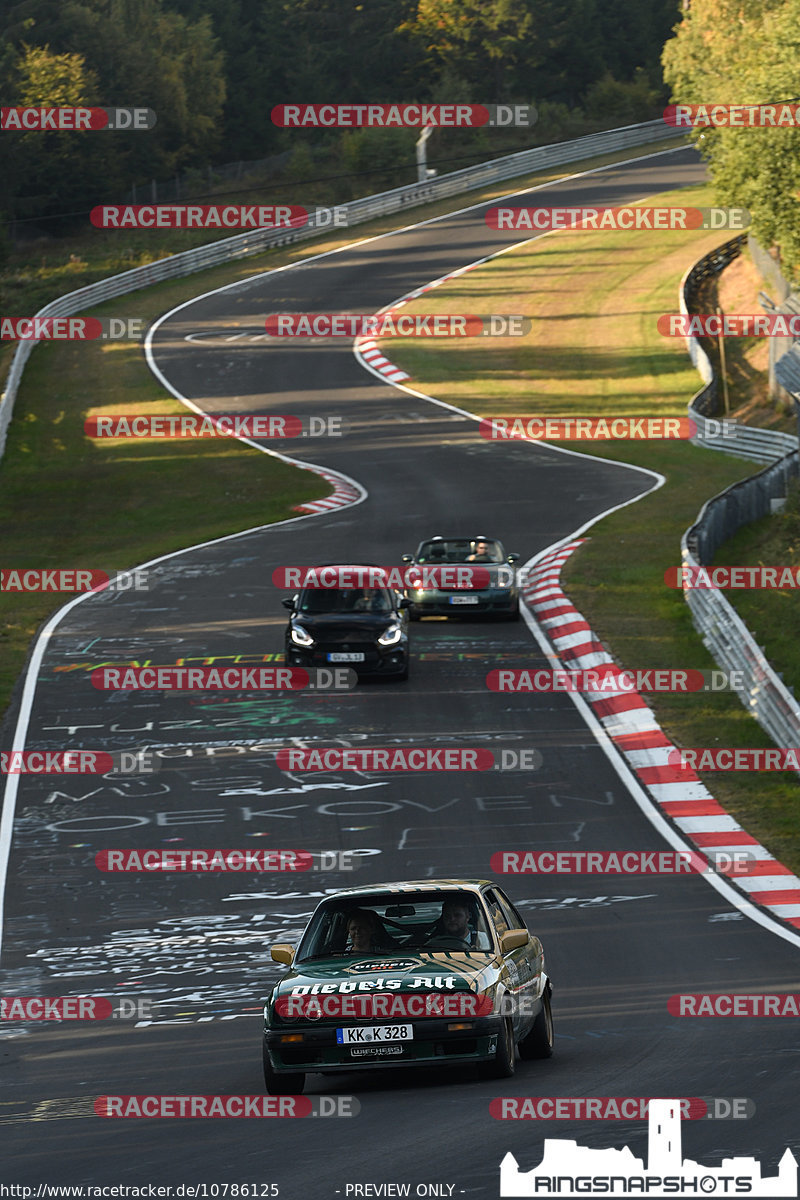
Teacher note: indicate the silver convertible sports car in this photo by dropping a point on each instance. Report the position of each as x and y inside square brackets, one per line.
[488, 588]
[413, 974]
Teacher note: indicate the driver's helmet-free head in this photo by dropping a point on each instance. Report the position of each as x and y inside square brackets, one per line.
[459, 902]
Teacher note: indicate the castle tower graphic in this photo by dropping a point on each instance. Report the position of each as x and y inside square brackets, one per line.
[564, 1162]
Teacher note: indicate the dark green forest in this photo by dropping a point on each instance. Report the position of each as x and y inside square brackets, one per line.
[213, 69]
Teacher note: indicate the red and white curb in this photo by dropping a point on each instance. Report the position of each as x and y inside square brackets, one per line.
[345, 492]
[369, 353]
[632, 727]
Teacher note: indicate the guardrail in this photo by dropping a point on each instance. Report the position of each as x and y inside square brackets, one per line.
[759, 445]
[723, 631]
[243, 245]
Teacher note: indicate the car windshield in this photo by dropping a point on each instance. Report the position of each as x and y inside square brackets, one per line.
[344, 600]
[459, 550]
[392, 923]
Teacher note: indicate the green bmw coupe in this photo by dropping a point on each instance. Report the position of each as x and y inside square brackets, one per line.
[423, 973]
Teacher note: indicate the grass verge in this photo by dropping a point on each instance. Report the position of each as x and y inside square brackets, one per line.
[594, 350]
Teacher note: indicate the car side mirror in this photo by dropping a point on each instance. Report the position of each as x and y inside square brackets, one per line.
[512, 939]
[282, 952]
[404, 602]
[408, 558]
[288, 602]
[513, 557]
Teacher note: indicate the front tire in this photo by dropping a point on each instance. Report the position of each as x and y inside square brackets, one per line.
[504, 1062]
[282, 1085]
[539, 1042]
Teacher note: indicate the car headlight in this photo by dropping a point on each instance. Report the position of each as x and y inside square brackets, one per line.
[391, 636]
[301, 636]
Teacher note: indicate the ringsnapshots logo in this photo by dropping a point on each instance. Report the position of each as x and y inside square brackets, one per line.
[72, 119]
[208, 425]
[544, 220]
[730, 116]
[570, 1170]
[395, 324]
[403, 116]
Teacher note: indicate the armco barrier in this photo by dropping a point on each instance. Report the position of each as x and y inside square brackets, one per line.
[723, 632]
[761, 445]
[243, 245]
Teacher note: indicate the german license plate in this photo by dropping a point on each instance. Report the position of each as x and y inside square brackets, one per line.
[342, 657]
[357, 1035]
[463, 599]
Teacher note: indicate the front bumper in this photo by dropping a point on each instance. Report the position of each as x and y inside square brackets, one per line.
[389, 660]
[432, 1043]
[464, 604]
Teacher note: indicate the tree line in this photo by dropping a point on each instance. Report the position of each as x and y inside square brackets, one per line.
[213, 69]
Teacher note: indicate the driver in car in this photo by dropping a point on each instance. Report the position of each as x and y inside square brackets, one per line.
[454, 924]
[480, 552]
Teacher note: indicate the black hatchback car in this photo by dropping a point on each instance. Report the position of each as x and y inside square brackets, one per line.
[365, 628]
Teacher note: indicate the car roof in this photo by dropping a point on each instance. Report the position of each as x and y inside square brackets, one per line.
[416, 885]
